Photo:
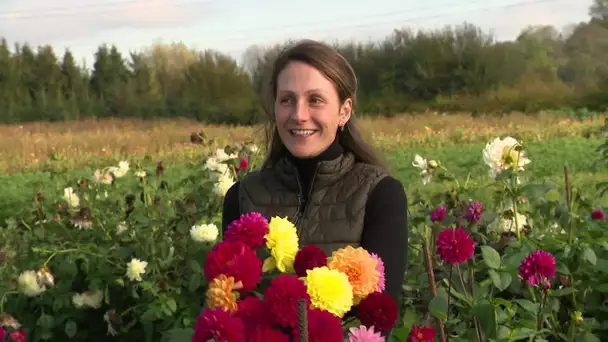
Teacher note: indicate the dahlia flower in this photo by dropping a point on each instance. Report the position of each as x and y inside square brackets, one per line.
[537, 267]
[329, 290]
[250, 229]
[283, 243]
[359, 266]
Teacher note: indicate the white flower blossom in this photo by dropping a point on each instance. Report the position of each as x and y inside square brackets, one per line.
[501, 154]
[426, 168]
[223, 184]
[204, 232]
[502, 225]
[121, 228]
[72, 199]
[140, 174]
[135, 268]
[29, 284]
[121, 170]
[89, 299]
[222, 156]
[103, 177]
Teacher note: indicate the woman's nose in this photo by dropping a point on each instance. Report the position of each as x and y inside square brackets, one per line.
[301, 111]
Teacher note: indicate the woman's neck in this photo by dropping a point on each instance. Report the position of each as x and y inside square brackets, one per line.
[307, 166]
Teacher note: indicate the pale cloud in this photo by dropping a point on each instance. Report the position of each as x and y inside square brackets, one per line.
[42, 21]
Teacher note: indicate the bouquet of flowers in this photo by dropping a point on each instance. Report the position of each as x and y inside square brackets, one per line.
[342, 294]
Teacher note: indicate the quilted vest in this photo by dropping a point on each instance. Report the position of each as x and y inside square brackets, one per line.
[334, 213]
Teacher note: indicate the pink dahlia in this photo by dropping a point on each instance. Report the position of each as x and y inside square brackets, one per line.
[537, 267]
[17, 336]
[219, 325]
[474, 212]
[249, 229]
[363, 334]
[454, 246]
[380, 269]
[438, 214]
[598, 215]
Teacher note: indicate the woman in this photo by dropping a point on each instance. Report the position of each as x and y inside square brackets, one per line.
[319, 172]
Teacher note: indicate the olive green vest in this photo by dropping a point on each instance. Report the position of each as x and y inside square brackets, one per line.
[334, 213]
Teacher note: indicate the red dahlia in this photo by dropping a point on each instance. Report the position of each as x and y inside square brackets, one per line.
[454, 246]
[307, 258]
[249, 229]
[218, 325]
[253, 312]
[379, 310]
[323, 326]
[422, 334]
[282, 299]
[234, 259]
[264, 333]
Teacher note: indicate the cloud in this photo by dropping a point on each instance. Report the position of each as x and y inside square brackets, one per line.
[43, 21]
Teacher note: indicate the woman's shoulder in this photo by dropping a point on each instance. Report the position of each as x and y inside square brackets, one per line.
[389, 186]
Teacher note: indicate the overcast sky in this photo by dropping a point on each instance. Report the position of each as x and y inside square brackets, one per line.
[232, 25]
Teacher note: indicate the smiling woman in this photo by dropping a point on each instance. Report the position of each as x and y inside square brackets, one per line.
[319, 172]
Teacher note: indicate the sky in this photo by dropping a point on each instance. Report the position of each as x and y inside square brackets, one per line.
[231, 26]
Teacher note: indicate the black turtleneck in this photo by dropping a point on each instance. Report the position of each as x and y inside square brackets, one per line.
[385, 230]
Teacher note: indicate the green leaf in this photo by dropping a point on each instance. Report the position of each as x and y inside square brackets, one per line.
[563, 292]
[195, 266]
[71, 328]
[589, 337]
[171, 304]
[490, 257]
[501, 280]
[589, 255]
[527, 305]
[484, 311]
[439, 307]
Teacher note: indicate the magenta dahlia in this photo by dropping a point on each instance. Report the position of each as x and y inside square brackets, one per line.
[537, 267]
[455, 246]
[249, 229]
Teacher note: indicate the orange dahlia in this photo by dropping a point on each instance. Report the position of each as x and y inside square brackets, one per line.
[360, 267]
[220, 293]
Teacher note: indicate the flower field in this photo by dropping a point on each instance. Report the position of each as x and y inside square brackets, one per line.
[109, 235]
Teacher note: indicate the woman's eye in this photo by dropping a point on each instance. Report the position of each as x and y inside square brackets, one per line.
[316, 100]
[285, 101]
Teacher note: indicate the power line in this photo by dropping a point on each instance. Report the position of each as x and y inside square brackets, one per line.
[281, 29]
[70, 12]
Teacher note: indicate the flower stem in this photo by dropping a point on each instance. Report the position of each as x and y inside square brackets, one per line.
[4, 299]
[516, 219]
[428, 261]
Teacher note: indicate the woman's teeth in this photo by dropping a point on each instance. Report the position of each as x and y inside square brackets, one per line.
[303, 132]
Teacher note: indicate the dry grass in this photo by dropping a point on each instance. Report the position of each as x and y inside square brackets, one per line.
[89, 142]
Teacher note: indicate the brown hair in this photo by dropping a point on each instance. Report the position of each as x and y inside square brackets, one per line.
[339, 71]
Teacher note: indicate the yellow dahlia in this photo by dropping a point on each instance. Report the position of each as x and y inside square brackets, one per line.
[282, 241]
[329, 290]
[220, 293]
[360, 268]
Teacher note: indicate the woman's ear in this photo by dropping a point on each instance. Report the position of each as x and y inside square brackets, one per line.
[346, 110]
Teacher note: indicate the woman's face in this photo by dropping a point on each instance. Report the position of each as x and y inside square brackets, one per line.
[307, 110]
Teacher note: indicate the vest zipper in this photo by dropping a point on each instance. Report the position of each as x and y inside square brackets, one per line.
[302, 206]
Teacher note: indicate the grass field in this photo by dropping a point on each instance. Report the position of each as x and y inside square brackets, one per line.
[42, 157]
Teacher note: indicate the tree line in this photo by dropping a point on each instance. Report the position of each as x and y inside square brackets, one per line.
[454, 69]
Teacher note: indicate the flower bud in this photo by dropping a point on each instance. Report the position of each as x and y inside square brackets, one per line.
[577, 317]
[433, 164]
[45, 277]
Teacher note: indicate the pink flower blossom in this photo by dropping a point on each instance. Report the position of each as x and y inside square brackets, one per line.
[363, 334]
[537, 267]
[380, 269]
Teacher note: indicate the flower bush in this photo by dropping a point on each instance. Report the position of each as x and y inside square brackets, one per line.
[130, 252]
[530, 265]
[340, 295]
[118, 253]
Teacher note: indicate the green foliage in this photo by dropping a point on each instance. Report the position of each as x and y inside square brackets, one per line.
[452, 69]
[77, 242]
[485, 297]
